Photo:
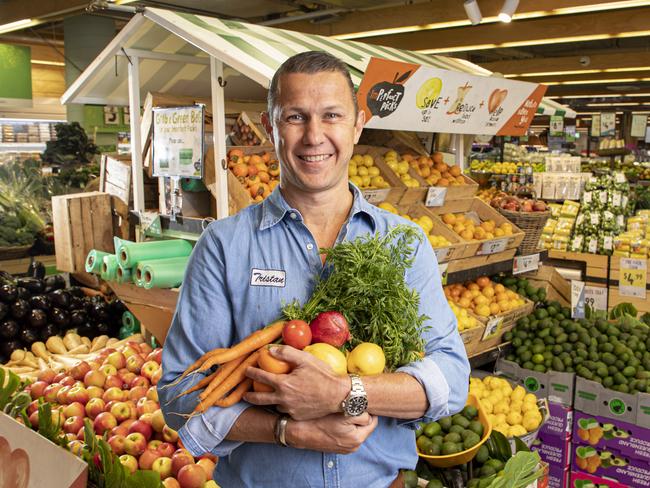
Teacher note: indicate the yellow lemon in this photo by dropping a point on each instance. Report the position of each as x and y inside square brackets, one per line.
[518, 393]
[487, 405]
[329, 354]
[516, 430]
[366, 359]
[529, 397]
[514, 418]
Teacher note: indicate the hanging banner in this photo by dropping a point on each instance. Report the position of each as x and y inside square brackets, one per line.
[15, 76]
[404, 96]
[608, 124]
[178, 142]
[595, 125]
[557, 125]
[639, 123]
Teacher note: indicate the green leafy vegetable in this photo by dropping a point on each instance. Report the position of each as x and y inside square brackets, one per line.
[367, 285]
[520, 471]
[70, 146]
[622, 309]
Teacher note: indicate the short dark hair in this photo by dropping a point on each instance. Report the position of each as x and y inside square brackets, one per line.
[309, 62]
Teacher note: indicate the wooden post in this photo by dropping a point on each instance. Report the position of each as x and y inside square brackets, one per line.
[217, 82]
[136, 136]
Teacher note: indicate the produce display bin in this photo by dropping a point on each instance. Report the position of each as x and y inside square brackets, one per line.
[458, 247]
[394, 193]
[556, 287]
[457, 192]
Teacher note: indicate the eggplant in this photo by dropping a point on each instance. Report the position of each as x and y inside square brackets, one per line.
[20, 308]
[27, 337]
[37, 318]
[103, 328]
[36, 269]
[33, 285]
[117, 307]
[6, 348]
[76, 303]
[78, 317]
[89, 306]
[87, 329]
[23, 293]
[55, 282]
[8, 293]
[100, 312]
[4, 310]
[48, 331]
[9, 329]
[60, 298]
[76, 292]
[60, 317]
[40, 301]
[6, 278]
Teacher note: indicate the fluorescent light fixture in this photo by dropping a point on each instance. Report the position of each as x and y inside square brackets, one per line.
[614, 104]
[508, 10]
[604, 95]
[551, 73]
[641, 111]
[17, 25]
[48, 63]
[592, 82]
[473, 11]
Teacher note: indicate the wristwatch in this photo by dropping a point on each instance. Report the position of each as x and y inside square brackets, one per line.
[357, 401]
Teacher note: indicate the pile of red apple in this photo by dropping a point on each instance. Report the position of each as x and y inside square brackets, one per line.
[515, 204]
[117, 392]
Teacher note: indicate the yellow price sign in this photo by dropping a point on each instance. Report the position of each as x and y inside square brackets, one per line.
[633, 278]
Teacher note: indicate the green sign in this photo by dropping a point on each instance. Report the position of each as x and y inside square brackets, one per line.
[15, 76]
[531, 384]
[617, 406]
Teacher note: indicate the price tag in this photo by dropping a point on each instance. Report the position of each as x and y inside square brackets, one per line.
[608, 243]
[603, 197]
[492, 328]
[523, 264]
[150, 224]
[442, 253]
[442, 267]
[577, 299]
[46, 170]
[435, 196]
[492, 247]
[376, 196]
[624, 200]
[596, 298]
[616, 199]
[608, 215]
[633, 277]
[586, 197]
[619, 177]
[592, 247]
[594, 219]
[620, 221]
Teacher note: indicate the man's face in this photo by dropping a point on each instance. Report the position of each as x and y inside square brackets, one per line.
[314, 131]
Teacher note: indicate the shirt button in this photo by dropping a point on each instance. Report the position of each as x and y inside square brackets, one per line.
[330, 464]
[293, 215]
[310, 246]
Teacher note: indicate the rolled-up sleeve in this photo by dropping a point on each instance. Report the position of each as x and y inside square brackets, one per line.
[444, 371]
[202, 322]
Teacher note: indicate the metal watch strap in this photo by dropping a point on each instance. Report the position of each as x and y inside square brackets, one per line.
[280, 431]
[357, 384]
[357, 401]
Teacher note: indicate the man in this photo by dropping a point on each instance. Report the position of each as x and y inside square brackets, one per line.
[332, 437]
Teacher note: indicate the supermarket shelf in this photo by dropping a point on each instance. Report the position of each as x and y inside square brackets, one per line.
[189, 228]
[613, 152]
[488, 356]
[469, 269]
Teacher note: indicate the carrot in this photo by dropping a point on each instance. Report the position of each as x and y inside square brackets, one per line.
[252, 343]
[234, 379]
[222, 373]
[200, 361]
[236, 394]
[201, 384]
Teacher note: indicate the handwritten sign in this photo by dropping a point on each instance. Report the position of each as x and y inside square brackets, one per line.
[376, 196]
[596, 297]
[493, 247]
[632, 278]
[442, 253]
[523, 264]
[442, 267]
[492, 328]
[435, 196]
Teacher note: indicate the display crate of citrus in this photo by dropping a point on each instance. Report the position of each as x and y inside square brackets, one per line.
[377, 181]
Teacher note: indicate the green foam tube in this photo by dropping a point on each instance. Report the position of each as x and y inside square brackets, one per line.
[163, 275]
[94, 261]
[123, 274]
[130, 321]
[109, 267]
[138, 274]
[130, 253]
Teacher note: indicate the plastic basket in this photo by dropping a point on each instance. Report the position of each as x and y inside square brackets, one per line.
[532, 223]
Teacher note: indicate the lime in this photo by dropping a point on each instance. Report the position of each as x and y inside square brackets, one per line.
[538, 359]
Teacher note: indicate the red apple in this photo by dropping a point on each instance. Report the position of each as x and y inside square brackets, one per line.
[163, 466]
[95, 378]
[114, 394]
[191, 476]
[74, 409]
[117, 444]
[33, 419]
[59, 376]
[94, 407]
[157, 420]
[208, 466]
[38, 389]
[81, 434]
[103, 422]
[155, 355]
[180, 458]
[76, 447]
[141, 427]
[58, 418]
[149, 368]
[171, 483]
[73, 424]
[139, 381]
[117, 359]
[146, 406]
[78, 371]
[147, 458]
[137, 392]
[127, 378]
[108, 369]
[50, 392]
[120, 430]
[130, 351]
[120, 411]
[113, 381]
[78, 394]
[67, 381]
[152, 394]
[46, 375]
[32, 407]
[127, 423]
[62, 395]
[95, 392]
[145, 348]
[166, 449]
[169, 434]
[94, 365]
[134, 363]
[135, 444]
[129, 462]
[154, 444]
[155, 377]
[132, 408]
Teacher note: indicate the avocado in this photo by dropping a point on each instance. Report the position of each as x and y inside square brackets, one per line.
[449, 448]
[471, 440]
[476, 427]
[470, 412]
[434, 483]
[461, 421]
[487, 470]
[456, 429]
[497, 464]
[452, 437]
[482, 455]
[432, 429]
[445, 423]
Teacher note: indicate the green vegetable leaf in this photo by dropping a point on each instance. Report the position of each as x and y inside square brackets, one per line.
[520, 446]
[521, 470]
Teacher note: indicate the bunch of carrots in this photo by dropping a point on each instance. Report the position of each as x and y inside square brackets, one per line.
[228, 384]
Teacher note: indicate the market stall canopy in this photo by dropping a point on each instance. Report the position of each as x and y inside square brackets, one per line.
[174, 49]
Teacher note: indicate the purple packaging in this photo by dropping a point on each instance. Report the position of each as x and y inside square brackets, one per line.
[559, 421]
[558, 477]
[612, 464]
[604, 433]
[579, 479]
[556, 451]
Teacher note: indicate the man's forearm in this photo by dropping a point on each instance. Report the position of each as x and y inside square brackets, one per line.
[254, 425]
[396, 395]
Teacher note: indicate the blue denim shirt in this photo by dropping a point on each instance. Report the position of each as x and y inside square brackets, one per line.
[222, 301]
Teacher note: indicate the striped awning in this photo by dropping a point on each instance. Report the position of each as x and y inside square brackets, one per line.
[254, 51]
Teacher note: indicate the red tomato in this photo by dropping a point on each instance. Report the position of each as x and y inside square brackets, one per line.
[296, 333]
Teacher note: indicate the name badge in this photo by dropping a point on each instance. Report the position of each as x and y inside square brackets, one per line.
[268, 277]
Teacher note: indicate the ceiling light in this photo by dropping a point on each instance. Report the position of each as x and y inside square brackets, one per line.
[613, 104]
[17, 25]
[592, 82]
[551, 73]
[48, 63]
[508, 10]
[603, 95]
[473, 11]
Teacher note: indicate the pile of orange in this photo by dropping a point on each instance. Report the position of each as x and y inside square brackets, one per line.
[259, 173]
[435, 172]
[484, 297]
[469, 230]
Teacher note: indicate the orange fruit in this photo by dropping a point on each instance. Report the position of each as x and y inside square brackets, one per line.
[499, 288]
[271, 364]
[454, 171]
[483, 281]
[449, 218]
[494, 309]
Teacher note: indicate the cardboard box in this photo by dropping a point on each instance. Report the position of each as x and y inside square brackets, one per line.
[610, 463]
[605, 433]
[557, 288]
[557, 387]
[81, 221]
[558, 477]
[48, 465]
[580, 479]
[595, 399]
[559, 422]
[556, 451]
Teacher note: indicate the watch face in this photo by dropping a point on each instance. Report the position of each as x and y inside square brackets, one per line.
[357, 405]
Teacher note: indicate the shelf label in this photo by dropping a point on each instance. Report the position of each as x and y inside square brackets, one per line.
[376, 196]
[577, 299]
[435, 196]
[632, 278]
[493, 247]
[442, 253]
[442, 267]
[492, 328]
[596, 298]
[523, 264]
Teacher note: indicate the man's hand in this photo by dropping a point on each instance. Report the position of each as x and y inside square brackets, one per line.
[310, 391]
[334, 433]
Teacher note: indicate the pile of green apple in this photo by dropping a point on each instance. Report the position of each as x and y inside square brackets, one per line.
[116, 390]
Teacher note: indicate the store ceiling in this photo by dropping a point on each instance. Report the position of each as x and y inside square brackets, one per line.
[587, 51]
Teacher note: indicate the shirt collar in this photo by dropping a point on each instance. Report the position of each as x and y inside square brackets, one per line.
[275, 207]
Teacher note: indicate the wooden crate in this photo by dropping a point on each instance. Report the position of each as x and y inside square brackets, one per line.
[595, 265]
[547, 277]
[443, 254]
[394, 193]
[614, 298]
[472, 339]
[478, 261]
[419, 194]
[82, 221]
[248, 131]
